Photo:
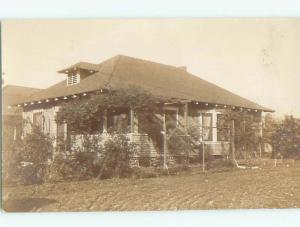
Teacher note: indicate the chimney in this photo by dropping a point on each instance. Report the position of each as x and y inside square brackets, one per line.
[184, 68]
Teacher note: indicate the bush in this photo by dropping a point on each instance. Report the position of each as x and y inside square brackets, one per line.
[80, 166]
[115, 160]
[247, 138]
[286, 138]
[112, 159]
[28, 158]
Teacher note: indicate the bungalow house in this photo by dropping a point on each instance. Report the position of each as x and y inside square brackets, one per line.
[191, 101]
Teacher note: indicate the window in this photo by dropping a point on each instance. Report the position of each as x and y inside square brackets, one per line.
[73, 78]
[38, 120]
[207, 126]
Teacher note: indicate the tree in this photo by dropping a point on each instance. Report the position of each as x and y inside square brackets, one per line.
[286, 137]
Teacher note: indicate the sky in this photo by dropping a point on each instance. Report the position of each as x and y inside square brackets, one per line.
[255, 58]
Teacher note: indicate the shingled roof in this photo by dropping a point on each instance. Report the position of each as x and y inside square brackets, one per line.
[121, 72]
[15, 94]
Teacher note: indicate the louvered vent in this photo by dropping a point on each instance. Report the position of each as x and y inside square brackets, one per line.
[73, 78]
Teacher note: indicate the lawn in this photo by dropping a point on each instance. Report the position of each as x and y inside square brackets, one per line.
[261, 188]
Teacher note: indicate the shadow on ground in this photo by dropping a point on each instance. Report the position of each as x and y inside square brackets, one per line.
[28, 204]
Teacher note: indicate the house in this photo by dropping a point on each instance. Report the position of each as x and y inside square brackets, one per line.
[191, 101]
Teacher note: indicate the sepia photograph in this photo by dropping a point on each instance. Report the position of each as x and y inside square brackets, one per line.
[150, 114]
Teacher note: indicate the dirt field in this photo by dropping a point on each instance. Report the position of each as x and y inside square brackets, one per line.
[266, 188]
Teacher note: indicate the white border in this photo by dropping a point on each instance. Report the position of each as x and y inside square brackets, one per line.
[151, 9]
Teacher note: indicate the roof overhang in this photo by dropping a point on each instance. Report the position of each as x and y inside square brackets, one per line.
[80, 65]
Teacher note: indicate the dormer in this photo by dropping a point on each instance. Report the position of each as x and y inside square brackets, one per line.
[78, 72]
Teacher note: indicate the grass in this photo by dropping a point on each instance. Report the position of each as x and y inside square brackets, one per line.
[264, 188]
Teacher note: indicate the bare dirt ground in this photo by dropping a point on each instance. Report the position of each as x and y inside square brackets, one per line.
[263, 188]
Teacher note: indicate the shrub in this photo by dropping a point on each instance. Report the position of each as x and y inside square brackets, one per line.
[286, 138]
[80, 166]
[27, 158]
[182, 145]
[115, 160]
[246, 139]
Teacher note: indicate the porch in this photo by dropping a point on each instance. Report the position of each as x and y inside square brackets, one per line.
[196, 128]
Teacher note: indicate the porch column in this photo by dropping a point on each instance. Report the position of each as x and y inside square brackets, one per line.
[214, 127]
[133, 121]
[185, 116]
[55, 126]
[105, 121]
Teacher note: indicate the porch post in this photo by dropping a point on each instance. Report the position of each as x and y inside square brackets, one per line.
[214, 127]
[133, 121]
[185, 116]
[105, 121]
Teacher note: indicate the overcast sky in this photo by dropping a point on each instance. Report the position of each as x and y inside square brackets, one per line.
[257, 59]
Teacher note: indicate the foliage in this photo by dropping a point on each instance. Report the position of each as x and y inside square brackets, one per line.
[269, 128]
[27, 158]
[286, 137]
[37, 147]
[82, 165]
[246, 133]
[115, 160]
[82, 115]
[88, 143]
[180, 145]
[104, 157]
[151, 125]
